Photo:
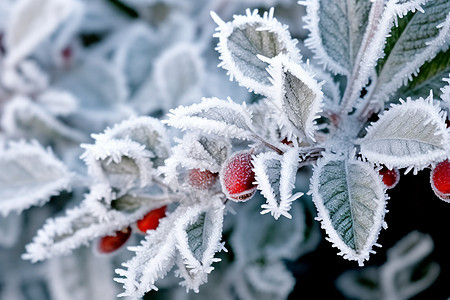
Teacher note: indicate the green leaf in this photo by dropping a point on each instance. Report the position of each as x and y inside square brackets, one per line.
[429, 78]
[418, 37]
[145, 131]
[298, 97]
[336, 31]
[198, 238]
[243, 40]
[350, 199]
[410, 135]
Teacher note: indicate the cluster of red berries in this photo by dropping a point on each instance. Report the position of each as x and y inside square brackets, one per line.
[439, 179]
[112, 243]
[237, 177]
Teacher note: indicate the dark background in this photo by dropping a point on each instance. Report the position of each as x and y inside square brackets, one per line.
[413, 206]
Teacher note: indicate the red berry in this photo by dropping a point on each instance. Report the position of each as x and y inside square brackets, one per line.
[287, 142]
[151, 220]
[201, 179]
[237, 176]
[390, 177]
[440, 180]
[111, 243]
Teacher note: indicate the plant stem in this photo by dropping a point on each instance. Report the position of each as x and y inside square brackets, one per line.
[269, 145]
[310, 156]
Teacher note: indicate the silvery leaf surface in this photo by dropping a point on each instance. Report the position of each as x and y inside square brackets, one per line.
[336, 31]
[30, 176]
[350, 199]
[275, 175]
[212, 115]
[245, 38]
[298, 97]
[409, 135]
[198, 238]
[406, 50]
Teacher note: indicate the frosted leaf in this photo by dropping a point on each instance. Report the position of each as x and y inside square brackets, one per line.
[28, 78]
[10, 230]
[257, 237]
[23, 118]
[154, 258]
[198, 237]
[393, 279]
[196, 152]
[30, 176]
[101, 92]
[79, 226]
[81, 276]
[409, 135]
[178, 75]
[133, 200]
[246, 37]
[409, 254]
[429, 78]
[445, 96]
[31, 22]
[406, 51]
[212, 115]
[374, 50]
[59, 103]
[275, 175]
[134, 54]
[336, 32]
[145, 131]
[297, 95]
[118, 163]
[350, 199]
[330, 89]
[271, 281]
[264, 119]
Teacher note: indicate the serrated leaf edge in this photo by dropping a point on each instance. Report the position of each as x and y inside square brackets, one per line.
[322, 215]
[415, 162]
[180, 117]
[278, 65]
[269, 23]
[23, 202]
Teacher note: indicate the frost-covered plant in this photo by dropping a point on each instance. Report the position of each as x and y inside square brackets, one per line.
[348, 121]
[395, 278]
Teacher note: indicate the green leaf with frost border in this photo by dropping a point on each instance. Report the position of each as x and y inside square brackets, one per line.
[409, 135]
[350, 198]
[336, 31]
[298, 97]
[430, 77]
[198, 237]
[418, 37]
[247, 37]
[214, 116]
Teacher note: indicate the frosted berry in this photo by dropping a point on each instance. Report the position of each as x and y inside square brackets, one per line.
[237, 176]
[201, 179]
[111, 243]
[390, 177]
[440, 180]
[151, 220]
